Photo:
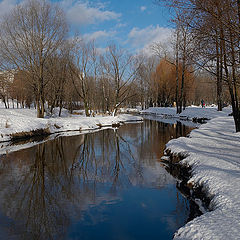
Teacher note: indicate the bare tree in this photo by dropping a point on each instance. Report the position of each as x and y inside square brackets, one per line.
[180, 56]
[84, 71]
[221, 20]
[58, 71]
[223, 32]
[145, 68]
[29, 36]
[118, 67]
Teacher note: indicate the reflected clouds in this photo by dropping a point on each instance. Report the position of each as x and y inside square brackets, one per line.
[80, 180]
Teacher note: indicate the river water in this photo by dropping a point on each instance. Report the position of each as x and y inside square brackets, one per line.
[109, 184]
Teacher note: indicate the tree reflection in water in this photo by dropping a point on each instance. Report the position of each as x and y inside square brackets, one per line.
[45, 188]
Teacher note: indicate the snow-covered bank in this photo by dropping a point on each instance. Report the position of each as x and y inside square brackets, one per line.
[189, 113]
[14, 121]
[213, 152]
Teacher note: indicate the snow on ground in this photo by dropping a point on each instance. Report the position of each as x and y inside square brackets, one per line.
[130, 110]
[25, 120]
[189, 112]
[172, 120]
[8, 147]
[214, 154]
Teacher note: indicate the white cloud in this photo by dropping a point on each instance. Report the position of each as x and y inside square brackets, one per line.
[143, 8]
[121, 25]
[101, 51]
[6, 6]
[142, 39]
[81, 12]
[99, 35]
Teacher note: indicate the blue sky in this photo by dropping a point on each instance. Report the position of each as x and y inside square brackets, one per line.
[133, 24]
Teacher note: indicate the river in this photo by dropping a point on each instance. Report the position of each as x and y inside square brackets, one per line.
[109, 184]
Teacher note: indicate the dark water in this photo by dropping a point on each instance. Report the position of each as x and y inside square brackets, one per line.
[109, 184]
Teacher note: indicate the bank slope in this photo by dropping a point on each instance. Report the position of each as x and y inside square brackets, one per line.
[20, 122]
[213, 152]
[189, 113]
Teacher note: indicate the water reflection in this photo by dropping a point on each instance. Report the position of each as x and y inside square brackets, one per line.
[85, 187]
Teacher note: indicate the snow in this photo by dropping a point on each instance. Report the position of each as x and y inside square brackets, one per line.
[171, 120]
[25, 120]
[189, 113]
[214, 153]
[130, 110]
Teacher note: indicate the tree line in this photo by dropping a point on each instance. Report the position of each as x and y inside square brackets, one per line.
[52, 69]
[207, 37]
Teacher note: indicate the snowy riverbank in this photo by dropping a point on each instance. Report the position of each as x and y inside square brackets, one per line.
[189, 113]
[213, 152]
[14, 121]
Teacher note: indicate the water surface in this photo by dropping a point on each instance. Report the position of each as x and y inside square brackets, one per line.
[108, 184]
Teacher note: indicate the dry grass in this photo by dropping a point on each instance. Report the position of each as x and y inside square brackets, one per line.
[99, 125]
[56, 126]
[77, 113]
[116, 125]
[33, 133]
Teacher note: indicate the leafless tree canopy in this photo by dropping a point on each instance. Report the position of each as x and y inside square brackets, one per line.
[29, 36]
[42, 66]
[213, 27]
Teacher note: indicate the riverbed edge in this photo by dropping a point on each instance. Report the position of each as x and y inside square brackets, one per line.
[182, 172]
[217, 185]
[64, 125]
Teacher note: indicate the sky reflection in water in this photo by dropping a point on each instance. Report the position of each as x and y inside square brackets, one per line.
[104, 185]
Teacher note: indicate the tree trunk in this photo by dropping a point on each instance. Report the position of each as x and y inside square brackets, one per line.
[183, 75]
[177, 70]
[219, 80]
[60, 108]
[86, 109]
[236, 113]
[38, 109]
[42, 107]
[4, 101]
